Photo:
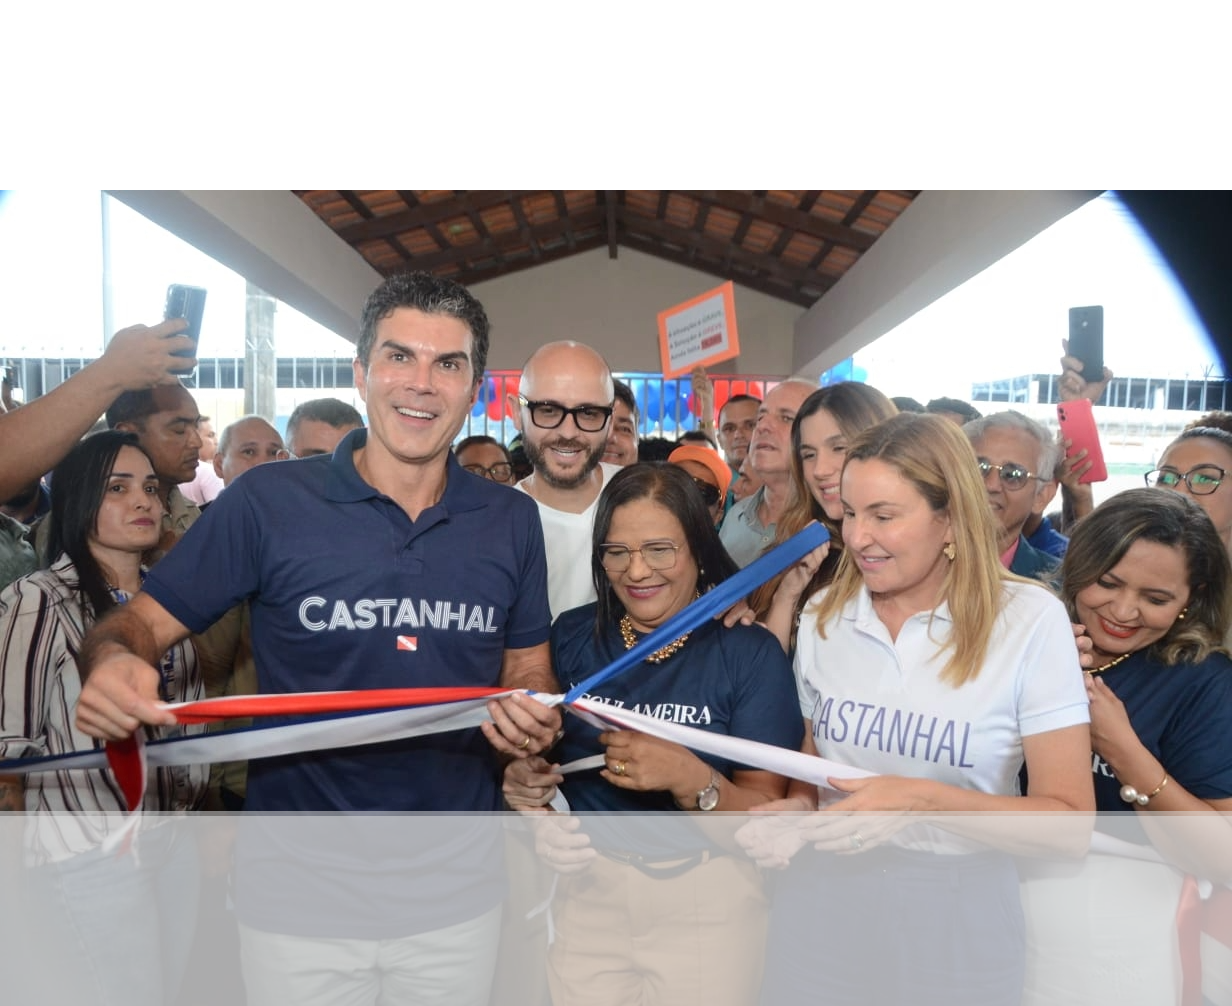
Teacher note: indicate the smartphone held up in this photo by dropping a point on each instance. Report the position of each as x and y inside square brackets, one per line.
[1086, 340]
[187, 302]
[1077, 423]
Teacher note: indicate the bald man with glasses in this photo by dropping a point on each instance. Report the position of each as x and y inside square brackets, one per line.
[563, 409]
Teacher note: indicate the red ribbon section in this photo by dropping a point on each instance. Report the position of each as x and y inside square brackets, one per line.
[302, 703]
[128, 765]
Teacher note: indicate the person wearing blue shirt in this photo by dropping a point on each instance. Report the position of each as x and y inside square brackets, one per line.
[1146, 578]
[654, 907]
[382, 565]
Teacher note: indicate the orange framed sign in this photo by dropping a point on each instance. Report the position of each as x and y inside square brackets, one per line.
[699, 332]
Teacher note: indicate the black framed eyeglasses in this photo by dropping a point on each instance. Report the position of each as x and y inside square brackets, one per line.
[549, 415]
[1201, 479]
[709, 492]
[658, 555]
[1012, 476]
[502, 471]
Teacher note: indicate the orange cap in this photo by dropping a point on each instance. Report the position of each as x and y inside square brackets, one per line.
[705, 456]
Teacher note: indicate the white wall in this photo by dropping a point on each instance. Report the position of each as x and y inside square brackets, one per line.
[612, 304]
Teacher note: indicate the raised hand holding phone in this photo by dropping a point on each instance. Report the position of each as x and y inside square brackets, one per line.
[187, 302]
[1077, 424]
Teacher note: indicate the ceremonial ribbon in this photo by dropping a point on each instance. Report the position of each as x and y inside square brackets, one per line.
[129, 759]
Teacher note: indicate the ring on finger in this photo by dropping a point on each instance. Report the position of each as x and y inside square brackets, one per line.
[619, 768]
[525, 743]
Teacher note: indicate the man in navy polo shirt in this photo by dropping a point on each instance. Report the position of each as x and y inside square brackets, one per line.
[382, 565]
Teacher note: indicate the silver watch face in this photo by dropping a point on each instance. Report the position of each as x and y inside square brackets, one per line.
[708, 798]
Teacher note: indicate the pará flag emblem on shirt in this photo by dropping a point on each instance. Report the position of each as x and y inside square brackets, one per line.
[408, 643]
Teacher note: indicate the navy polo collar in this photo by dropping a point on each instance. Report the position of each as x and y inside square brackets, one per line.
[345, 485]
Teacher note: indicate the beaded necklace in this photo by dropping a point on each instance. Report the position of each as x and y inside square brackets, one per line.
[630, 640]
[1109, 665]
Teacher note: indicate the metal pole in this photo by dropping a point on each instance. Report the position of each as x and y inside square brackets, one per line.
[108, 307]
[260, 362]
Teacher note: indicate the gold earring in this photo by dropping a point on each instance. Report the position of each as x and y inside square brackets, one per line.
[949, 551]
[1181, 616]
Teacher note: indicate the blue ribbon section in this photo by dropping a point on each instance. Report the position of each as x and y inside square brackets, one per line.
[710, 604]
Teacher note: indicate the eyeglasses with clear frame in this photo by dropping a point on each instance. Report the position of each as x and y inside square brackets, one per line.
[549, 415]
[657, 555]
[1012, 476]
[502, 471]
[1201, 479]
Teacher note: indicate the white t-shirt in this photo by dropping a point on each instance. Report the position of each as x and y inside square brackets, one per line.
[566, 538]
[878, 703]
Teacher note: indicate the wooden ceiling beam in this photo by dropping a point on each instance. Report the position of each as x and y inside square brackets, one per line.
[742, 228]
[360, 207]
[420, 215]
[699, 225]
[468, 277]
[851, 216]
[472, 214]
[746, 220]
[524, 226]
[784, 239]
[609, 204]
[508, 243]
[786, 216]
[718, 250]
[776, 290]
[433, 232]
[562, 208]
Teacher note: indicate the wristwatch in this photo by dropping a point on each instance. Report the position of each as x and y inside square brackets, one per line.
[708, 798]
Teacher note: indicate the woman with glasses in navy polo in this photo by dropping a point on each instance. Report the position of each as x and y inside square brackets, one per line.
[1198, 463]
[654, 904]
[1146, 578]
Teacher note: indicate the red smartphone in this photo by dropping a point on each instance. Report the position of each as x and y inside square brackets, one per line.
[1078, 426]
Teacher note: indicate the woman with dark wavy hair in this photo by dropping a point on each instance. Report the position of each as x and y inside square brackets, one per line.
[108, 912]
[653, 906]
[1147, 577]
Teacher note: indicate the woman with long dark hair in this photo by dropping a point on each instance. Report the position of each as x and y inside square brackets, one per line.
[109, 912]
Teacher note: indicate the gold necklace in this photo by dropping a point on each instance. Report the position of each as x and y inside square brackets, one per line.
[1110, 664]
[630, 640]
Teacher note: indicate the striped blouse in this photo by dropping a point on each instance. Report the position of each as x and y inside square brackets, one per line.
[42, 623]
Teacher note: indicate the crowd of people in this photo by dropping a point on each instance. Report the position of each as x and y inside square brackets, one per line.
[966, 751]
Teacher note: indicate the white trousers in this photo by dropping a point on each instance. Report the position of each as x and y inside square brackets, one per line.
[446, 966]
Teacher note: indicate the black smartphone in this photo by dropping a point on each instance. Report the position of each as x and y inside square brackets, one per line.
[1086, 340]
[187, 302]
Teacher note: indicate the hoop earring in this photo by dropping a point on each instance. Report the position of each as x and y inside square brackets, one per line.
[950, 552]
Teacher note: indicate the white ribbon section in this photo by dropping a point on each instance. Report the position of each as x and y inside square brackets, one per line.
[793, 764]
